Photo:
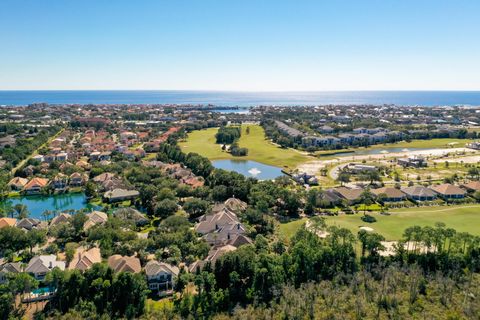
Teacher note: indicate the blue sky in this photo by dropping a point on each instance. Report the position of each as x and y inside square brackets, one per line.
[240, 45]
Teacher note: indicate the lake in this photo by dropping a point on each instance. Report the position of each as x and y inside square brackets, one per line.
[38, 204]
[249, 168]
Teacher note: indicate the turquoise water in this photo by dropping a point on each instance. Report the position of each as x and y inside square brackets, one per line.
[38, 204]
[42, 291]
[249, 168]
[226, 98]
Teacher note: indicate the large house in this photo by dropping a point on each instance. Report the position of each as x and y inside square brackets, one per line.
[212, 222]
[94, 218]
[39, 266]
[120, 263]
[160, 276]
[61, 218]
[117, 195]
[352, 196]
[17, 183]
[419, 193]
[472, 186]
[7, 222]
[85, 259]
[449, 191]
[389, 194]
[9, 268]
[36, 185]
[31, 223]
[413, 161]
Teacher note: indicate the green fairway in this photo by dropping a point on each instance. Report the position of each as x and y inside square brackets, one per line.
[433, 143]
[289, 229]
[460, 218]
[259, 148]
[421, 144]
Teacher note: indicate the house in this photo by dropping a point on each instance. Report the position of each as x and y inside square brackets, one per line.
[94, 218]
[359, 168]
[235, 205]
[449, 191]
[78, 179]
[61, 218]
[389, 194]
[472, 186]
[224, 234]
[120, 263]
[31, 223]
[131, 214]
[326, 129]
[9, 268]
[39, 266]
[413, 161]
[62, 156]
[103, 177]
[213, 255]
[7, 141]
[7, 222]
[85, 259]
[17, 183]
[211, 222]
[35, 186]
[419, 193]
[160, 276]
[329, 198]
[118, 194]
[60, 182]
[352, 196]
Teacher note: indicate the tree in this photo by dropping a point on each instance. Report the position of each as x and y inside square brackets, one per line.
[90, 190]
[196, 207]
[371, 242]
[21, 211]
[343, 177]
[166, 208]
[35, 237]
[366, 198]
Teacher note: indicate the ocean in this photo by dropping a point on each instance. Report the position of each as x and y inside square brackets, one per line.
[244, 99]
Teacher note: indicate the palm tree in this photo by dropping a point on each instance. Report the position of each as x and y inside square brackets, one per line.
[21, 211]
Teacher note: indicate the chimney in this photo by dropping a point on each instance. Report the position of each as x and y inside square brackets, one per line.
[50, 265]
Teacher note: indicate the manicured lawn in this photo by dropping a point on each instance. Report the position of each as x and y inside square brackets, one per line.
[433, 143]
[289, 229]
[259, 148]
[461, 218]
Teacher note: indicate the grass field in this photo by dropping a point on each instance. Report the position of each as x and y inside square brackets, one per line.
[259, 148]
[461, 218]
[289, 229]
[433, 143]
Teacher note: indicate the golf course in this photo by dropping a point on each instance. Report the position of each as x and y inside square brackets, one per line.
[461, 218]
[259, 148]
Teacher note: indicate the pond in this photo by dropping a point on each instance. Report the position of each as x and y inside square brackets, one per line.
[363, 151]
[38, 204]
[249, 168]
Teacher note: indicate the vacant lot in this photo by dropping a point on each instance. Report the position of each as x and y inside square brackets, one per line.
[259, 148]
